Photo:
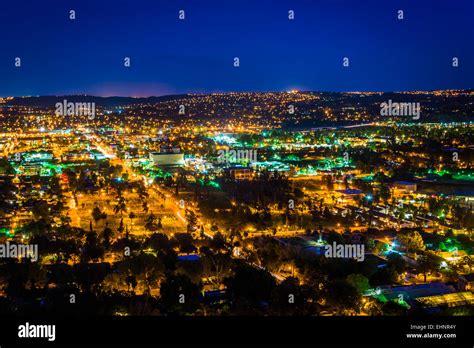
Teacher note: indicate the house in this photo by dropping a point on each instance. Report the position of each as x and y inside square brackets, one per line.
[453, 256]
[406, 186]
[243, 173]
[409, 293]
[456, 299]
[466, 282]
[348, 194]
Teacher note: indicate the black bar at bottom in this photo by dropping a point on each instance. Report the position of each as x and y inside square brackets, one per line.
[162, 331]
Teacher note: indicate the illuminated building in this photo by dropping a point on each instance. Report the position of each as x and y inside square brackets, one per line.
[167, 156]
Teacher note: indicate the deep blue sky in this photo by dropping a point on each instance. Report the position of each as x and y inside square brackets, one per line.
[60, 56]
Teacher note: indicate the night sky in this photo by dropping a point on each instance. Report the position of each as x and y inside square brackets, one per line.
[168, 56]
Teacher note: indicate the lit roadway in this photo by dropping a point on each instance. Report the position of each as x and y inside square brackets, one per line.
[156, 192]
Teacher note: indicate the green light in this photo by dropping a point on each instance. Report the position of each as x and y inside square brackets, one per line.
[6, 232]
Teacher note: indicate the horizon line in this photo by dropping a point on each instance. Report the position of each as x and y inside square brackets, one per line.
[231, 92]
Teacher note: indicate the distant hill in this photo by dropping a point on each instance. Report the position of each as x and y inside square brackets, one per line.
[345, 107]
[50, 101]
[331, 99]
